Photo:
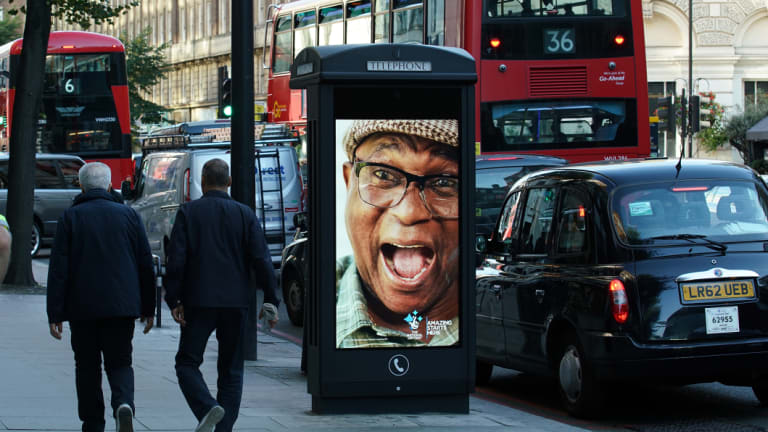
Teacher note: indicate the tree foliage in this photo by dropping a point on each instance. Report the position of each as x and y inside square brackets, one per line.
[146, 67]
[735, 130]
[10, 29]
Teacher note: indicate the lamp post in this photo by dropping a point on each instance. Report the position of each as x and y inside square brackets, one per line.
[690, 77]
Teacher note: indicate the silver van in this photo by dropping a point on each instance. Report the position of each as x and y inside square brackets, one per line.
[56, 185]
[168, 178]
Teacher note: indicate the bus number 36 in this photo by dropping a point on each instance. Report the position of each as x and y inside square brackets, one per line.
[559, 41]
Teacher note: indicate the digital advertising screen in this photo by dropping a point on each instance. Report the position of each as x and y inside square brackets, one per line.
[398, 264]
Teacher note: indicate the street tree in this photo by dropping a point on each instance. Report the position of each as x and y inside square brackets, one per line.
[10, 29]
[146, 67]
[26, 109]
[734, 132]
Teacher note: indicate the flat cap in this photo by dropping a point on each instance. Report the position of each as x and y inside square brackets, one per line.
[442, 131]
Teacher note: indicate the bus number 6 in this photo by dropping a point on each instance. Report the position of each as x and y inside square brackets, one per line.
[69, 86]
[559, 41]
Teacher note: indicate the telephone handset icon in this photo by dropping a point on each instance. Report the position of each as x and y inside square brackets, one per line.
[399, 365]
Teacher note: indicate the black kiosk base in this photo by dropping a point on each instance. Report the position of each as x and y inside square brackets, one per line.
[454, 404]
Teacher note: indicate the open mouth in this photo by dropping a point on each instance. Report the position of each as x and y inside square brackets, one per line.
[408, 263]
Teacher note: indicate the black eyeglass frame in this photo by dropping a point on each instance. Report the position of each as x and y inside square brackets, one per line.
[410, 178]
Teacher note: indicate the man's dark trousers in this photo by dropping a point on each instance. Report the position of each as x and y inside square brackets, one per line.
[229, 324]
[90, 339]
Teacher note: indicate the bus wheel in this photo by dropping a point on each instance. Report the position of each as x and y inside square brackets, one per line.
[579, 390]
[35, 239]
[293, 295]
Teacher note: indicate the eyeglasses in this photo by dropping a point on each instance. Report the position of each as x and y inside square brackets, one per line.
[385, 186]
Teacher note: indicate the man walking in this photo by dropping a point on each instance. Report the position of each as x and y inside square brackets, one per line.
[215, 244]
[100, 279]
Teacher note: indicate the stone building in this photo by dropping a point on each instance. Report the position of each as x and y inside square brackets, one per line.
[730, 54]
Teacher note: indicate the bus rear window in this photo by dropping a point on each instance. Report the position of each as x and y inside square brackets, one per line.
[548, 8]
[557, 124]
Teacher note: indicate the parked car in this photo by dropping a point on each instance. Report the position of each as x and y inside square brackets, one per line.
[494, 174]
[628, 272]
[56, 185]
[171, 177]
[293, 270]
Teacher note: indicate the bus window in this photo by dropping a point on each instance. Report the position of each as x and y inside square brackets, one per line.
[546, 8]
[331, 25]
[381, 22]
[282, 58]
[408, 21]
[359, 22]
[304, 29]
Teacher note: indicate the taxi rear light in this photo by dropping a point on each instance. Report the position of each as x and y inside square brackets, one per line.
[291, 209]
[619, 301]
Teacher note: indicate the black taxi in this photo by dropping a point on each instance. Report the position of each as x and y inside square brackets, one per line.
[652, 270]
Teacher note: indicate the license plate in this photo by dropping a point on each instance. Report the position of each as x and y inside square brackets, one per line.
[713, 291]
[722, 319]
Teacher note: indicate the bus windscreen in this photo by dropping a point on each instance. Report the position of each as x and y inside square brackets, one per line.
[508, 126]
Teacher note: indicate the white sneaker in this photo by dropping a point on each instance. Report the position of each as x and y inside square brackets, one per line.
[211, 419]
[124, 418]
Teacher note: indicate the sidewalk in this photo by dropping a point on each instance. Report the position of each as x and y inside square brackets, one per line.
[37, 386]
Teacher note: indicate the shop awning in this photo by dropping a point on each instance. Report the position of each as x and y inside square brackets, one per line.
[758, 132]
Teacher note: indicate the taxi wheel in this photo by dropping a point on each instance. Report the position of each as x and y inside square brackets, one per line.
[761, 392]
[579, 390]
[483, 372]
[293, 295]
[35, 239]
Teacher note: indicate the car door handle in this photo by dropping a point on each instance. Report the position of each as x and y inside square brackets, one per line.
[170, 207]
[495, 289]
[540, 293]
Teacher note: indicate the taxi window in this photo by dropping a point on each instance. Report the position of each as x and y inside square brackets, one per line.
[724, 210]
[506, 225]
[537, 221]
[572, 231]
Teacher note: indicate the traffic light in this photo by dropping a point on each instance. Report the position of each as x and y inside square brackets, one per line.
[666, 113]
[226, 98]
[705, 112]
[701, 112]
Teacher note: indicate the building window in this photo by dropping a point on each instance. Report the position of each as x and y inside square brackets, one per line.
[755, 93]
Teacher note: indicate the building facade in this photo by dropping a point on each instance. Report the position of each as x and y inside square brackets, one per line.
[730, 55]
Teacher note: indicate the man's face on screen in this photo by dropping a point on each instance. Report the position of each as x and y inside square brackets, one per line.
[402, 220]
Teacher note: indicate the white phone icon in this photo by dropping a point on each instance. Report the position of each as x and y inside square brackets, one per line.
[396, 363]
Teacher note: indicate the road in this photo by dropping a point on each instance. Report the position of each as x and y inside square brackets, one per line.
[700, 408]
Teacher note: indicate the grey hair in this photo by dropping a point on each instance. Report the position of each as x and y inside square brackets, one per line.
[95, 175]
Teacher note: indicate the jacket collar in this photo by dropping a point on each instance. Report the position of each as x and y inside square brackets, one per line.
[216, 194]
[93, 194]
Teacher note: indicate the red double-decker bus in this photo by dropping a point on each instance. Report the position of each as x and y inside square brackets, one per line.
[85, 109]
[556, 77]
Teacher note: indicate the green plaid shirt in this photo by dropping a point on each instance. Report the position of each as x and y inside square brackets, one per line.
[354, 328]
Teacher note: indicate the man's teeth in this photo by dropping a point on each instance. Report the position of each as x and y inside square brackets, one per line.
[407, 247]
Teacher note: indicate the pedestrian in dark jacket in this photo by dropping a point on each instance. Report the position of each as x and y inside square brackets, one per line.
[216, 245]
[100, 279]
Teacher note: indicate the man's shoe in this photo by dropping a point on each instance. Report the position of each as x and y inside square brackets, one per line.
[211, 419]
[124, 418]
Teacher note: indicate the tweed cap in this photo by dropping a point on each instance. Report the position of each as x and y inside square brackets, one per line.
[442, 131]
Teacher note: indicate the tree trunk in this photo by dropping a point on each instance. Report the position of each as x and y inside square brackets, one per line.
[26, 110]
